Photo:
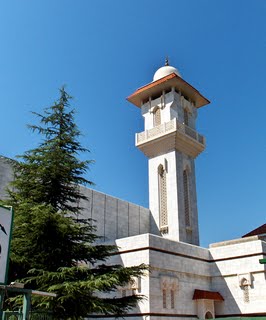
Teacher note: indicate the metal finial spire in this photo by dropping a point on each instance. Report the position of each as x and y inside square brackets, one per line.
[166, 61]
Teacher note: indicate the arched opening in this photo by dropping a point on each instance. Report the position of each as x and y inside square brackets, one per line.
[186, 117]
[208, 315]
[186, 197]
[156, 117]
[162, 199]
[172, 292]
[164, 299]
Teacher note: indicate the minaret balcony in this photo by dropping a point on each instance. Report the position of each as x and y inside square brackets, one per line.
[169, 136]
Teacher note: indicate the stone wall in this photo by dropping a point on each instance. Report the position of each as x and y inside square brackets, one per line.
[113, 218]
[238, 275]
[6, 175]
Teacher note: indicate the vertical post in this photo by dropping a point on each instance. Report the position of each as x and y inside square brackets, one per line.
[26, 306]
[2, 295]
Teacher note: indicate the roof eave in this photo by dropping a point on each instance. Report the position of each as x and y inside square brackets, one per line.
[142, 94]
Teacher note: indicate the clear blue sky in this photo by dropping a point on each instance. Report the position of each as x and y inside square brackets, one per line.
[103, 50]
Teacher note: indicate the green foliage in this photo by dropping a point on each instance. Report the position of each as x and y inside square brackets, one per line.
[52, 173]
[53, 247]
[78, 290]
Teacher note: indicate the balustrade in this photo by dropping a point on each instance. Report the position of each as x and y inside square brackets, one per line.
[173, 125]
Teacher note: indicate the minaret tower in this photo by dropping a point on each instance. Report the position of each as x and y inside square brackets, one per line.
[170, 141]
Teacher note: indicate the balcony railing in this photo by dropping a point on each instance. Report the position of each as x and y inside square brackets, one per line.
[168, 127]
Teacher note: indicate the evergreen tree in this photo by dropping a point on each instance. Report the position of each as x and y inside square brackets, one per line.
[53, 249]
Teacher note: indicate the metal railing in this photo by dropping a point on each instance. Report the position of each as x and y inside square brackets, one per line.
[166, 127]
[34, 315]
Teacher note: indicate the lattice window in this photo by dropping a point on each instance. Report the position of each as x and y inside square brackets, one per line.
[186, 117]
[245, 288]
[246, 294]
[172, 292]
[162, 199]
[164, 299]
[139, 284]
[157, 117]
[186, 197]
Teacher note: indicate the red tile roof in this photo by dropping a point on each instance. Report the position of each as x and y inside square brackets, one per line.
[257, 231]
[210, 295]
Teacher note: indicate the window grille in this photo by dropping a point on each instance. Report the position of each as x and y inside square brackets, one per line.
[162, 198]
[139, 284]
[164, 299]
[245, 289]
[172, 299]
[186, 198]
[157, 117]
[246, 294]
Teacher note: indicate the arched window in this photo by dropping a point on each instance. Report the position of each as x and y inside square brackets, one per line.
[186, 117]
[172, 292]
[156, 117]
[186, 198]
[162, 199]
[164, 299]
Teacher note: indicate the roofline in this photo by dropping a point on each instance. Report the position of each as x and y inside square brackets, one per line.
[261, 230]
[172, 80]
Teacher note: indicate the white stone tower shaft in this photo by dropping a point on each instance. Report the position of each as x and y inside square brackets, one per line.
[171, 143]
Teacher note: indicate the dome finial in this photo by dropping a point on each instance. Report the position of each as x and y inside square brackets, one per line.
[165, 71]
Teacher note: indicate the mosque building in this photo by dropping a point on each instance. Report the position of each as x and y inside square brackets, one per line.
[186, 281]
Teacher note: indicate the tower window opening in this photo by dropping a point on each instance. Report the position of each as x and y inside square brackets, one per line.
[156, 96]
[157, 117]
[186, 117]
[162, 199]
[186, 198]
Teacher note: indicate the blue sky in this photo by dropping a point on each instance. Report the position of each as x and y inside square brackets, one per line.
[103, 50]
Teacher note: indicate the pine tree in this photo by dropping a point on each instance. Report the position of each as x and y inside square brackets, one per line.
[52, 248]
[51, 173]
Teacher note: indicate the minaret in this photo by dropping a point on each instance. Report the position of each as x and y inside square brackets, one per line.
[170, 141]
